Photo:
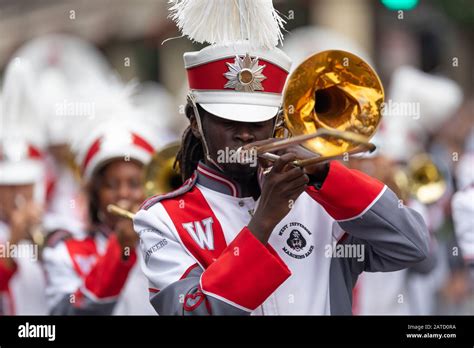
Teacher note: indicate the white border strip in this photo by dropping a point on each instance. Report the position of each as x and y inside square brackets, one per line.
[233, 304]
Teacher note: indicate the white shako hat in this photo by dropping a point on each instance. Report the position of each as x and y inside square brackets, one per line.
[241, 75]
[20, 156]
[118, 131]
[114, 139]
[238, 82]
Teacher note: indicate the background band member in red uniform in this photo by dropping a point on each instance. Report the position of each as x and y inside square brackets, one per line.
[16, 223]
[97, 273]
[21, 199]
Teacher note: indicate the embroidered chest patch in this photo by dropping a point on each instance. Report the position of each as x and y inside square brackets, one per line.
[296, 239]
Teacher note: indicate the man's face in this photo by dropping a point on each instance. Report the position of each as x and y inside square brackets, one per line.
[221, 134]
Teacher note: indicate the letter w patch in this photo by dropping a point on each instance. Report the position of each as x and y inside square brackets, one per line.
[198, 227]
[201, 232]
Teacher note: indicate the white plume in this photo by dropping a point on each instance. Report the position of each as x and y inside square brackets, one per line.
[228, 21]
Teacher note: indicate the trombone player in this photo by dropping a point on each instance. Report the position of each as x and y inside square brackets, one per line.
[238, 240]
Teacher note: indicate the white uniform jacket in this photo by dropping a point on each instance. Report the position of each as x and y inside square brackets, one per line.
[200, 258]
[22, 288]
[87, 276]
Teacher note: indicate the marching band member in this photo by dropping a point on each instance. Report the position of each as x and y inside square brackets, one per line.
[96, 273]
[22, 282]
[231, 241]
[463, 209]
[21, 278]
[403, 134]
[62, 65]
[392, 293]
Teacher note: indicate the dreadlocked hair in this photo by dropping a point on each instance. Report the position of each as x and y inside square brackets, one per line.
[191, 150]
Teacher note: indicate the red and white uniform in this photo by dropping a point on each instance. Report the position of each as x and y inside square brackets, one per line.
[22, 289]
[198, 254]
[200, 258]
[88, 276]
[462, 206]
[6, 304]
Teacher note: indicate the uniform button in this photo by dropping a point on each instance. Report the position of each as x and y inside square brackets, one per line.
[241, 203]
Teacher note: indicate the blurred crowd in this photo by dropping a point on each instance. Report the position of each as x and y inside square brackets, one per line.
[76, 138]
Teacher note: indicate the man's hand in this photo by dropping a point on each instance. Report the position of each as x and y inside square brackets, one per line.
[282, 186]
[316, 172]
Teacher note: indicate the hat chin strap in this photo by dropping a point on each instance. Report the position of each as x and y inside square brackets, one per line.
[192, 99]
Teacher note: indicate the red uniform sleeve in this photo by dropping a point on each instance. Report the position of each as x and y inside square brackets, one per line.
[6, 273]
[110, 273]
[246, 273]
[346, 193]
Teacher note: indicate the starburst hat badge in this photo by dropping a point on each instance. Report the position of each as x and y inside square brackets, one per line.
[245, 74]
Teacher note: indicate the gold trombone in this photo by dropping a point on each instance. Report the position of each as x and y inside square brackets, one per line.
[331, 105]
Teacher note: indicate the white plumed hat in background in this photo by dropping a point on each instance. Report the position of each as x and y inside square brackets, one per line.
[20, 155]
[416, 106]
[157, 109]
[73, 56]
[118, 131]
[115, 139]
[65, 68]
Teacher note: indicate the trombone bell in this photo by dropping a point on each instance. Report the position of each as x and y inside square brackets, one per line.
[333, 90]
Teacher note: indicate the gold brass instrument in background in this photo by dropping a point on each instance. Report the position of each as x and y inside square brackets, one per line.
[421, 179]
[331, 106]
[160, 177]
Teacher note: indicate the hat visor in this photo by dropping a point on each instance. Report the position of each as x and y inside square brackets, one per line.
[241, 112]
